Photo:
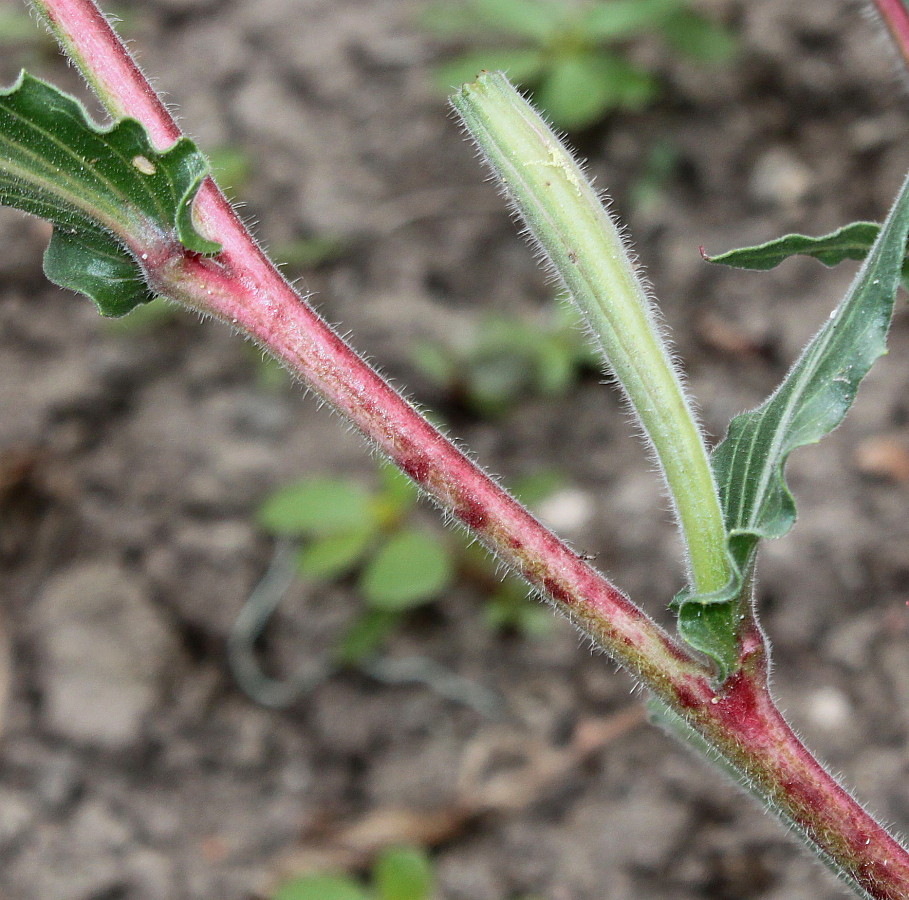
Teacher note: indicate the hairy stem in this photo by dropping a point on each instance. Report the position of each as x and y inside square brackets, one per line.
[240, 286]
[567, 219]
[743, 729]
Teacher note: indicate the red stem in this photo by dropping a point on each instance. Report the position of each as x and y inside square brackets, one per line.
[896, 18]
[243, 288]
[748, 730]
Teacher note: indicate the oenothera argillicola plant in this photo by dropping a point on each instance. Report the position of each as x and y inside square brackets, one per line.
[135, 215]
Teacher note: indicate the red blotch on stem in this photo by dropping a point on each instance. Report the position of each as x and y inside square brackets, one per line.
[472, 514]
[558, 592]
[687, 698]
[741, 709]
[416, 467]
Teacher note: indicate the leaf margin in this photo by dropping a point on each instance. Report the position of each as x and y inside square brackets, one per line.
[96, 250]
[709, 622]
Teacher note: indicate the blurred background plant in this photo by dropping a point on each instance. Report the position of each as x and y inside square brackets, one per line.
[342, 529]
[501, 360]
[28, 44]
[575, 57]
[398, 873]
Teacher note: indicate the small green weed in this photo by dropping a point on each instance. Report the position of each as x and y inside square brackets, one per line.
[18, 28]
[310, 252]
[503, 359]
[18, 32]
[399, 873]
[231, 167]
[370, 534]
[148, 318]
[573, 56]
[660, 164]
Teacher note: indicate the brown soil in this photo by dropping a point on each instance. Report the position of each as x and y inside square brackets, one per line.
[131, 461]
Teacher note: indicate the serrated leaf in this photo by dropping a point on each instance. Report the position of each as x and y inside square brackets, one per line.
[811, 401]
[411, 569]
[316, 507]
[321, 887]
[403, 873]
[108, 193]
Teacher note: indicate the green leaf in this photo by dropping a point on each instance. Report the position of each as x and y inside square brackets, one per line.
[533, 489]
[97, 265]
[310, 252]
[411, 569]
[317, 507]
[321, 887]
[510, 609]
[618, 19]
[697, 37]
[230, 167]
[109, 194]
[581, 88]
[852, 241]
[810, 402]
[437, 363]
[334, 555]
[522, 65]
[534, 20]
[398, 494]
[555, 368]
[18, 27]
[365, 635]
[403, 873]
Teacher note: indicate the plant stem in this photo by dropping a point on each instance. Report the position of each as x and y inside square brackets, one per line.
[743, 726]
[567, 219]
[241, 287]
[896, 17]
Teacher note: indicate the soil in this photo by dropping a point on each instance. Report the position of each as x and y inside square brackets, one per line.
[132, 460]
